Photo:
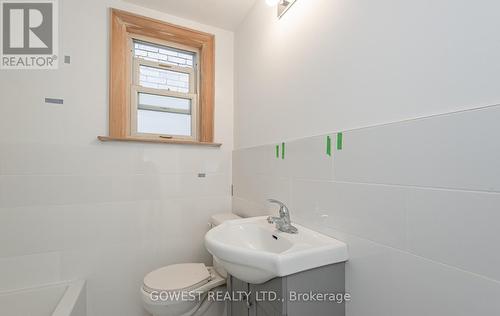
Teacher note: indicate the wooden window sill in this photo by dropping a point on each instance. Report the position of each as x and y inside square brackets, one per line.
[156, 140]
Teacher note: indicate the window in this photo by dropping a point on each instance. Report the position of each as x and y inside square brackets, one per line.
[161, 82]
[164, 91]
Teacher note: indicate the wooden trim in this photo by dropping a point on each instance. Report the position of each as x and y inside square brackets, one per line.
[156, 140]
[125, 25]
[207, 91]
[119, 100]
[178, 46]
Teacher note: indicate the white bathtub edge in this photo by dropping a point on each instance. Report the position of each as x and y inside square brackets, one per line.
[73, 303]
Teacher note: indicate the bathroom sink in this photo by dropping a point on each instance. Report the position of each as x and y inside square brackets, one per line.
[254, 251]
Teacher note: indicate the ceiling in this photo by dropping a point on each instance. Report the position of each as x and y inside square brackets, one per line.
[226, 14]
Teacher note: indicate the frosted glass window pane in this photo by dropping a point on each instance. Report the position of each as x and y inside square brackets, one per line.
[157, 78]
[164, 102]
[155, 122]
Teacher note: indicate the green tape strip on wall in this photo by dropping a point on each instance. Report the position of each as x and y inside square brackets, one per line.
[282, 150]
[328, 145]
[278, 151]
[339, 141]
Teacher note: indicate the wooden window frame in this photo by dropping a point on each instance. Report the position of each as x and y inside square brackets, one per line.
[125, 25]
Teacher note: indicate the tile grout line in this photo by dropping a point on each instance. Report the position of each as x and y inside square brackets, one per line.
[408, 252]
[331, 180]
[479, 108]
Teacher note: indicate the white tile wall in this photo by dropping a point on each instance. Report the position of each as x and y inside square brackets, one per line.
[373, 212]
[259, 188]
[72, 207]
[455, 227]
[417, 202]
[303, 165]
[24, 271]
[451, 151]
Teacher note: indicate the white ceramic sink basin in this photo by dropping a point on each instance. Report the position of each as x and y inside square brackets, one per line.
[253, 250]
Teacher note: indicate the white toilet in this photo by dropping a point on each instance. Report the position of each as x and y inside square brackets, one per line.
[182, 289]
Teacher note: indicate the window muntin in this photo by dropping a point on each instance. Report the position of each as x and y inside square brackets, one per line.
[164, 54]
[164, 91]
[158, 78]
[164, 103]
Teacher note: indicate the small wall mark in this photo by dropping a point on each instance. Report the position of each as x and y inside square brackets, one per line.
[54, 101]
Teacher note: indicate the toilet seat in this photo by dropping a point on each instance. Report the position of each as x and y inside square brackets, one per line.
[177, 277]
[170, 304]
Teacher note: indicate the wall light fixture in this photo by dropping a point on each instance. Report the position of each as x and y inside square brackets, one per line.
[283, 5]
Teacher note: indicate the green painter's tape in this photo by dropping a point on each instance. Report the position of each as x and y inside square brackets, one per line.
[277, 151]
[328, 145]
[339, 141]
[282, 150]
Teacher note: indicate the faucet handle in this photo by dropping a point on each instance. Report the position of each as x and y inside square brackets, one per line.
[284, 213]
[283, 222]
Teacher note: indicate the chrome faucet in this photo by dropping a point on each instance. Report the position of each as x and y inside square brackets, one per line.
[283, 222]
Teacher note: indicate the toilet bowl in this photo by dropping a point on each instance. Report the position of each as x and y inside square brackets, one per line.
[183, 289]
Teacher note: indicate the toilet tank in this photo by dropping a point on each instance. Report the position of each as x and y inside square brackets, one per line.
[215, 220]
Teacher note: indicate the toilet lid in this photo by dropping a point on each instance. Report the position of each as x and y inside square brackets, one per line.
[177, 277]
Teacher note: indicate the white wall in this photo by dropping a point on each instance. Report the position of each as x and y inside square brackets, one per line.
[344, 64]
[72, 207]
[416, 200]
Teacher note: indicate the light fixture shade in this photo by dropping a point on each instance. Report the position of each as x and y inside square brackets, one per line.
[272, 3]
[283, 6]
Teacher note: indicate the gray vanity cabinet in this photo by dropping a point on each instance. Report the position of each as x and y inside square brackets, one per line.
[280, 296]
[239, 303]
